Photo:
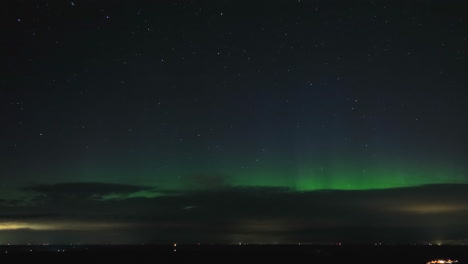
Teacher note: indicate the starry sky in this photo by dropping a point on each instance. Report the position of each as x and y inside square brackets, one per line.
[229, 121]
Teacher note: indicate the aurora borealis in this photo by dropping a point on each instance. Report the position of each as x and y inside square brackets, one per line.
[223, 121]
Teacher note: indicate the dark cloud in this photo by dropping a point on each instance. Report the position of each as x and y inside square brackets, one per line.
[8, 202]
[84, 190]
[253, 214]
[22, 216]
[205, 181]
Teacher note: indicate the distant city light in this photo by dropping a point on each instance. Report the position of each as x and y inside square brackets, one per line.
[442, 261]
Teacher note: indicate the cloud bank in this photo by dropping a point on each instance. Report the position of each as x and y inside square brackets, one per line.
[77, 213]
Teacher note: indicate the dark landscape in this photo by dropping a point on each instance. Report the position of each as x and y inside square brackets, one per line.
[312, 253]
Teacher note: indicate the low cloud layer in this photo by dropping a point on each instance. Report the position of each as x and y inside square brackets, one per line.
[68, 212]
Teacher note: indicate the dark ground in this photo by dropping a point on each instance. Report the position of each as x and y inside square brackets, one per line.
[244, 253]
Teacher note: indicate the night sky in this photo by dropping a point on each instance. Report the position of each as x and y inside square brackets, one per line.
[233, 121]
